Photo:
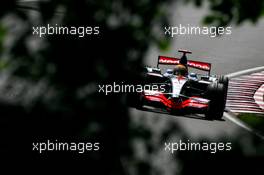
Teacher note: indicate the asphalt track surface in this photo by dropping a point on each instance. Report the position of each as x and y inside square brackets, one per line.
[241, 50]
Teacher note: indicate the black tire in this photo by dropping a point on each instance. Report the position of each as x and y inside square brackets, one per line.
[224, 80]
[140, 102]
[134, 100]
[216, 94]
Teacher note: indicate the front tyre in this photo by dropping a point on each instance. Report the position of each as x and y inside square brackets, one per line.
[135, 100]
[216, 94]
[224, 80]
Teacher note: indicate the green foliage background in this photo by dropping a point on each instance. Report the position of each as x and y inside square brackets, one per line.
[57, 96]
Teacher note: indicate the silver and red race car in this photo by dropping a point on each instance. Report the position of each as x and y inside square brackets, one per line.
[180, 92]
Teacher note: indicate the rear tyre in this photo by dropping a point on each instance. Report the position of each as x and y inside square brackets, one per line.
[216, 94]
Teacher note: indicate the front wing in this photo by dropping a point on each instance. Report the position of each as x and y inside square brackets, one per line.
[181, 103]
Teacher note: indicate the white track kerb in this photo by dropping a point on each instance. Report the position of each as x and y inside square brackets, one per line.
[229, 115]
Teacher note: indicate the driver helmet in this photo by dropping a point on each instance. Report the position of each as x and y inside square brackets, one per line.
[180, 70]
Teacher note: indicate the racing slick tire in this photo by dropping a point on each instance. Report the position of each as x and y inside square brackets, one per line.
[135, 101]
[224, 80]
[217, 96]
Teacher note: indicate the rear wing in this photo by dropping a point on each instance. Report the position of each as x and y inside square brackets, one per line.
[204, 66]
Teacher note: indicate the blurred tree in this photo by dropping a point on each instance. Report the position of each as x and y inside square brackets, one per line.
[51, 89]
[224, 12]
[58, 76]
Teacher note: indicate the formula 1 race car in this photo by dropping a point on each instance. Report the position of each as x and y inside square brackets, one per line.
[179, 92]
